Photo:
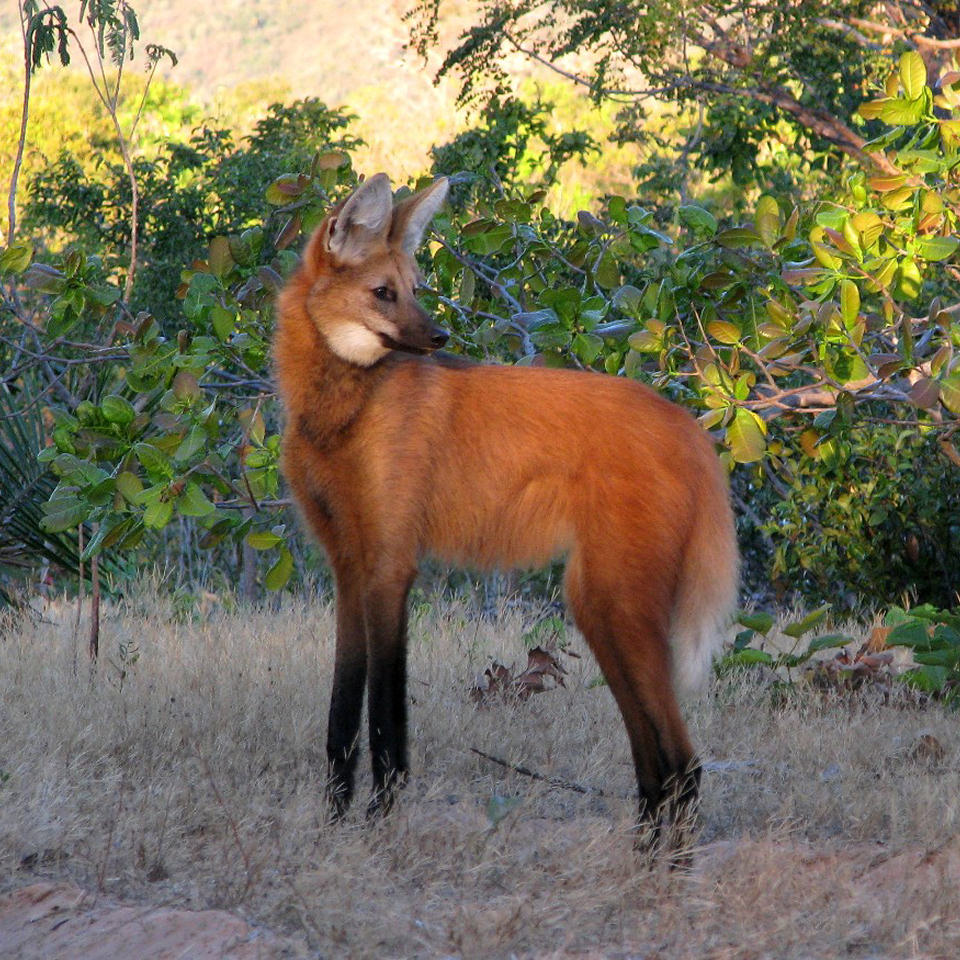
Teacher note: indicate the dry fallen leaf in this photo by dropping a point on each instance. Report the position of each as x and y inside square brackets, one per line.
[543, 672]
[877, 640]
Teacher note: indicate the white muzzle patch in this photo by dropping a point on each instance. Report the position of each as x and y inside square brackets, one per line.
[356, 343]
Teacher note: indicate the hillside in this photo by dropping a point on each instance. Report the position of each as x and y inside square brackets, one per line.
[341, 52]
[328, 50]
[243, 55]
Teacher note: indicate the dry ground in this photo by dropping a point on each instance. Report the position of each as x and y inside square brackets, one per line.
[188, 772]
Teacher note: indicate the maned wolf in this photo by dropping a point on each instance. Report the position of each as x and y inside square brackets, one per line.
[393, 453]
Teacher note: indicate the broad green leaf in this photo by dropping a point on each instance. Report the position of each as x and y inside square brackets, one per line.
[869, 226]
[194, 503]
[872, 109]
[724, 331]
[103, 295]
[627, 299]
[947, 635]
[468, 284]
[490, 240]
[849, 301]
[277, 576]
[125, 534]
[587, 346]
[778, 314]
[950, 392]
[702, 222]
[805, 625]
[246, 248]
[129, 485]
[912, 633]
[263, 539]
[158, 513]
[928, 679]
[104, 535]
[747, 657]
[913, 74]
[937, 248]
[152, 460]
[224, 322]
[909, 280]
[759, 620]
[825, 257]
[64, 513]
[117, 410]
[101, 492]
[828, 642]
[219, 257]
[616, 209]
[737, 237]
[768, 219]
[16, 258]
[192, 443]
[666, 302]
[943, 657]
[607, 273]
[899, 112]
[746, 437]
[712, 418]
[718, 280]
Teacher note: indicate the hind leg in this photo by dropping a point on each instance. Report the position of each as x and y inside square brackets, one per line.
[628, 637]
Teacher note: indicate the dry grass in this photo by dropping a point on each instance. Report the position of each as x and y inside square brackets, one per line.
[191, 774]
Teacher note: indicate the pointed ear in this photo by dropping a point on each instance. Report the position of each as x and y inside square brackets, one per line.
[362, 221]
[413, 215]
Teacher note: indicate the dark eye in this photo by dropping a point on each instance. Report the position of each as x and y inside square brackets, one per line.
[385, 293]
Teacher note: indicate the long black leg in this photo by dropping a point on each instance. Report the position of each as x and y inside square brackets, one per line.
[346, 700]
[386, 619]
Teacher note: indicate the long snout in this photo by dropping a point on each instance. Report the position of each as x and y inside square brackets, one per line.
[419, 335]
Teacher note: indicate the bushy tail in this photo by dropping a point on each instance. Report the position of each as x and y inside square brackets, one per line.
[706, 596]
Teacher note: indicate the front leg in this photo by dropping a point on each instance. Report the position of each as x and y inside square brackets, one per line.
[346, 700]
[386, 619]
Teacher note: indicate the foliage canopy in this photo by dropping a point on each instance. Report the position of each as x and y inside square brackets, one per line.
[818, 342]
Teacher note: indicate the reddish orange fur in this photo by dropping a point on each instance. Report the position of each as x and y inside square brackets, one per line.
[501, 467]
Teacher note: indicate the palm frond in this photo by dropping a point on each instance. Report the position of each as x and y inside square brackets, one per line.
[25, 485]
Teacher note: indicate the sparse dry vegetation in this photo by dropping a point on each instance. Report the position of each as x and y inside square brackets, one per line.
[189, 771]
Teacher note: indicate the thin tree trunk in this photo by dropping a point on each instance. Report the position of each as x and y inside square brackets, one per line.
[248, 570]
[94, 607]
[21, 143]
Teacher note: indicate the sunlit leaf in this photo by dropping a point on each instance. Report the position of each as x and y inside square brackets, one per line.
[913, 74]
[768, 219]
[746, 437]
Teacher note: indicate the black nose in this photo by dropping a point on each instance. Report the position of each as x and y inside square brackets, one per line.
[438, 338]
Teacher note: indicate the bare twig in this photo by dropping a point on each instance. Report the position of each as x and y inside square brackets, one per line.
[553, 781]
[232, 824]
